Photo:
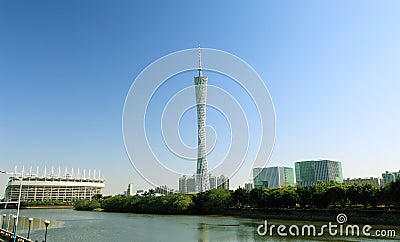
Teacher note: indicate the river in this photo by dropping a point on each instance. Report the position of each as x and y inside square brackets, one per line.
[72, 226]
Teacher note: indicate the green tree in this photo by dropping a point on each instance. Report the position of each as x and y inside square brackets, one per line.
[305, 196]
[336, 194]
[273, 198]
[217, 200]
[354, 194]
[87, 205]
[367, 194]
[97, 197]
[181, 202]
[320, 197]
[259, 197]
[212, 201]
[241, 198]
[394, 192]
[114, 204]
[289, 197]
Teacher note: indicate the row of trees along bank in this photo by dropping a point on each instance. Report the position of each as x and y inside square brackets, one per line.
[320, 196]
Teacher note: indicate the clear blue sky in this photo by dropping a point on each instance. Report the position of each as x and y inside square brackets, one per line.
[332, 68]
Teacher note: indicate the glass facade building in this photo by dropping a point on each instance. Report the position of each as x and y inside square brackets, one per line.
[310, 172]
[273, 177]
[388, 177]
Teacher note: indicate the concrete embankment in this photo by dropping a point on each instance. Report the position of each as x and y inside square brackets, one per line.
[6, 236]
[354, 216]
[50, 207]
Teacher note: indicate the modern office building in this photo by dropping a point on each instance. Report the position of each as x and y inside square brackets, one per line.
[200, 82]
[213, 182]
[388, 177]
[129, 191]
[191, 184]
[310, 172]
[372, 180]
[223, 182]
[273, 177]
[188, 184]
[183, 184]
[61, 187]
[164, 190]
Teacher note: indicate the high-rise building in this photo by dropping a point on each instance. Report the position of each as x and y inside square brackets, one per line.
[310, 172]
[200, 82]
[289, 176]
[388, 177]
[223, 182]
[213, 182]
[273, 177]
[373, 180]
[129, 191]
[183, 184]
[188, 184]
[191, 184]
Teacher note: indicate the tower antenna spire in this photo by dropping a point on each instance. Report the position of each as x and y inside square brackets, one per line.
[200, 73]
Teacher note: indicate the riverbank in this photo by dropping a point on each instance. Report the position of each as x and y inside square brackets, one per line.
[50, 207]
[322, 202]
[370, 217]
[354, 216]
[42, 207]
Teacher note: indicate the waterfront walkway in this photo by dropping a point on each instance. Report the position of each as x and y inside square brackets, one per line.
[7, 236]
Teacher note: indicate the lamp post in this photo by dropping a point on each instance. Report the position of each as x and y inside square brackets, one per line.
[19, 205]
[4, 218]
[15, 228]
[29, 228]
[15, 218]
[10, 216]
[46, 223]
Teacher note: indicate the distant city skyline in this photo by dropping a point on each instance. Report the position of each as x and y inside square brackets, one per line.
[331, 69]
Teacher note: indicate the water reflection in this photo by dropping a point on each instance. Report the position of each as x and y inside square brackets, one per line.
[8, 222]
[37, 223]
[203, 232]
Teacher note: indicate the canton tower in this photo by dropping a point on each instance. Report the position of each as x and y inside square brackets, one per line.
[200, 82]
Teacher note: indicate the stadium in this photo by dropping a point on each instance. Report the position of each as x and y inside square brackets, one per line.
[53, 187]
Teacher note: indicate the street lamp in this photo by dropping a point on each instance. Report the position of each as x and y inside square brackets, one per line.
[15, 218]
[4, 218]
[29, 228]
[19, 201]
[46, 223]
[10, 216]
